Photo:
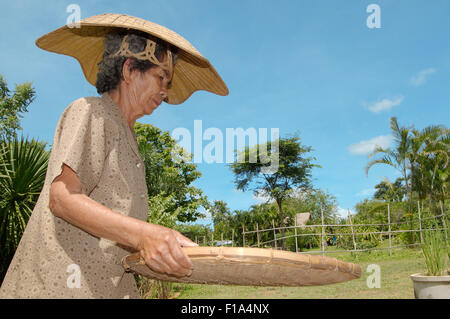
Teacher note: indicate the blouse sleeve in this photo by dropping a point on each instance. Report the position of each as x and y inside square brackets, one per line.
[80, 143]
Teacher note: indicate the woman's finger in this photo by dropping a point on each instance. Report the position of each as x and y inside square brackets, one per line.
[176, 267]
[180, 256]
[166, 263]
[184, 241]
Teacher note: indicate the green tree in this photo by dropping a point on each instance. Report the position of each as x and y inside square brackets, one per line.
[169, 175]
[23, 165]
[294, 172]
[222, 218]
[220, 212]
[390, 192]
[422, 157]
[196, 231]
[430, 160]
[12, 107]
[397, 157]
[313, 201]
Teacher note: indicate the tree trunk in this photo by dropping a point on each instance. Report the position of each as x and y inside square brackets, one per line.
[409, 190]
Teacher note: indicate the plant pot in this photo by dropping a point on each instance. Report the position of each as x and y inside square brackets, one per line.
[431, 287]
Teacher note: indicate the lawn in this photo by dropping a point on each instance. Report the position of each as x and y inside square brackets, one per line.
[395, 281]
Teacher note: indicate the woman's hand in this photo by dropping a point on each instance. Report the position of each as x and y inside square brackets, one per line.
[161, 249]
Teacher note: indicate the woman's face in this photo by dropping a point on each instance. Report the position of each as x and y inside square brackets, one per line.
[147, 90]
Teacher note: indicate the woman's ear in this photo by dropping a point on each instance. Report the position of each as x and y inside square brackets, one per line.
[126, 71]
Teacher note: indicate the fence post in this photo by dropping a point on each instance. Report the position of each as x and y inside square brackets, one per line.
[389, 227]
[257, 233]
[353, 233]
[444, 217]
[323, 232]
[295, 230]
[243, 235]
[420, 222]
[232, 237]
[196, 240]
[204, 240]
[274, 234]
[212, 239]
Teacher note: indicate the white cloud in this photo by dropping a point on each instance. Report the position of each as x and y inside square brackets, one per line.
[367, 147]
[420, 78]
[260, 198]
[366, 192]
[343, 212]
[384, 104]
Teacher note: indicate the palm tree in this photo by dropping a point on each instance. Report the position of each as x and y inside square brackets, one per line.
[23, 165]
[390, 192]
[431, 158]
[422, 157]
[397, 157]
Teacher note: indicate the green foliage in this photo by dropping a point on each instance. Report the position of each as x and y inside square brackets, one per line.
[376, 212]
[163, 210]
[169, 176]
[294, 171]
[303, 242]
[363, 240]
[435, 252]
[220, 213]
[422, 157]
[313, 201]
[12, 107]
[390, 192]
[23, 165]
[430, 159]
[193, 231]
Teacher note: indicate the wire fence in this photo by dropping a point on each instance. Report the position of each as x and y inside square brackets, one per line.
[299, 232]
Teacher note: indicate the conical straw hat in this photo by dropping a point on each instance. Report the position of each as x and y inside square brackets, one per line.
[192, 71]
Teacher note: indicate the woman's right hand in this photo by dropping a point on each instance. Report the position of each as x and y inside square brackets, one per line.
[161, 249]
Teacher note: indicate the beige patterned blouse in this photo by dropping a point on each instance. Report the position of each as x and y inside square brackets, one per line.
[57, 260]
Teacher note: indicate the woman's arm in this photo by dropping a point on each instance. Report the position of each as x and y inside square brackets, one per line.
[160, 246]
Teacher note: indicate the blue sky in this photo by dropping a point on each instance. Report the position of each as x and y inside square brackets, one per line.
[312, 67]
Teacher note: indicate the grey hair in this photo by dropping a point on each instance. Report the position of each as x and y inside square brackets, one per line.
[110, 68]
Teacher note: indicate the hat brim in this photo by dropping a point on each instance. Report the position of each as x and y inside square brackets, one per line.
[192, 72]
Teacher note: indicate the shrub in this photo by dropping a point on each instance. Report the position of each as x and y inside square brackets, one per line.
[363, 241]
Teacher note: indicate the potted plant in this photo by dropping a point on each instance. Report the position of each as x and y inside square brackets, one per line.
[435, 283]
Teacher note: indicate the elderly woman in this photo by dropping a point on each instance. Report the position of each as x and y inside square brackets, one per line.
[92, 210]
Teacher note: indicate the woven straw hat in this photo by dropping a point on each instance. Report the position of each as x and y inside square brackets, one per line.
[192, 71]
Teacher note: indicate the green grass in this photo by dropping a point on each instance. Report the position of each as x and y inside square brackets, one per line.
[395, 281]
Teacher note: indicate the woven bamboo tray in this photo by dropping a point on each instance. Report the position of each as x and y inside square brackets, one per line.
[252, 267]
